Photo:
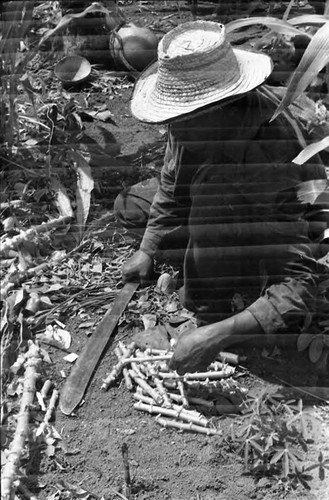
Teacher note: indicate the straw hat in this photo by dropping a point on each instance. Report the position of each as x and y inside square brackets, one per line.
[196, 66]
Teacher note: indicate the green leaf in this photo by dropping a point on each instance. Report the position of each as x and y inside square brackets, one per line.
[304, 341]
[315, 57]
[275, 24]
[276, 457]
[316, 348]
[308, 20]
[311, 150]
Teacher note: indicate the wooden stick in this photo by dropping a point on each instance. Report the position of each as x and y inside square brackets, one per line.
[165, 422]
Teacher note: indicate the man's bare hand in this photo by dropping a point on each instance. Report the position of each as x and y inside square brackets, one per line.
[138, 268]
[195, 350]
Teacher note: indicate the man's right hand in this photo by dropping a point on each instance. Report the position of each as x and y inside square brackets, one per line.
[138, 268]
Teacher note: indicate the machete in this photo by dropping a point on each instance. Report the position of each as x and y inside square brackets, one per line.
[79, 378]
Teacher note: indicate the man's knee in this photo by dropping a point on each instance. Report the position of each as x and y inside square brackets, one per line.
[132, 205]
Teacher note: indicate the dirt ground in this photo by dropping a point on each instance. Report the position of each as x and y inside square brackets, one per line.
[164, 463]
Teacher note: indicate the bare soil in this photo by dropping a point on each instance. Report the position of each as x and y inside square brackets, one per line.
[164, 463]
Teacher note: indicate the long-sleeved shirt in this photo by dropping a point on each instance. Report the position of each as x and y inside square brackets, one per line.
[228, 175]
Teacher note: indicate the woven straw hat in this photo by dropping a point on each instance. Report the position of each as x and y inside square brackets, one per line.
[196, 67]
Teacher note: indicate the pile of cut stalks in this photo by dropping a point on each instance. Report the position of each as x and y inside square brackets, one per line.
[176, 400]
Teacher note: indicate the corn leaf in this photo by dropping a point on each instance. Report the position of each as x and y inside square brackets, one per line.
[309, 191]
[66, 20]
[311, 150]
[308, 20]
[282, 27]
[315, 57]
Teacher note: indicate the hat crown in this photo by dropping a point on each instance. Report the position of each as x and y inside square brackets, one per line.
[196, 52]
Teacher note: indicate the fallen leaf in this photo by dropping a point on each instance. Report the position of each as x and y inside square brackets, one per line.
[149, 321]
[70, 358]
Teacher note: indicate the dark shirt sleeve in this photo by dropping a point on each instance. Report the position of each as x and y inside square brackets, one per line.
[163, 211]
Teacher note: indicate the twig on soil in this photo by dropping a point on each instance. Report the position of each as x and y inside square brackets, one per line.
[127, 483]
[33, 361]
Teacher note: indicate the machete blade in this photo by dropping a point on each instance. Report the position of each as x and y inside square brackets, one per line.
[81, 373]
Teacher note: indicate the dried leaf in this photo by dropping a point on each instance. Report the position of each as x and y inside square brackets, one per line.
[316, 349]
[166, 284]
[62, 199]
[149, 321]
[63, 337]
[85, 185]
[70, 358]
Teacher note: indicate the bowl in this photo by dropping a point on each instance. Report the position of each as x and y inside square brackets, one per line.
[73, 69]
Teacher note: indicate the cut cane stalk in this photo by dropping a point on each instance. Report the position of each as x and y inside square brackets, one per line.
[125, 372]
[165, 422]
[145, 359]
[227, 371]
[157, 352]
[41, 401]
[159, 385]
[146, 387]
[139, 372]
[177, 412]
[117, 369]
[170, 384]
[46, 388]
[228, 357]
[200, 419]
[182, 392]
[9, 472]
[193, 400]
[51, 407]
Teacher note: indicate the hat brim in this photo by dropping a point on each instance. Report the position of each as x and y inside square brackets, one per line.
[150, 107]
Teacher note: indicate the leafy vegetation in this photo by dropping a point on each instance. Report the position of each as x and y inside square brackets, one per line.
[275, 440]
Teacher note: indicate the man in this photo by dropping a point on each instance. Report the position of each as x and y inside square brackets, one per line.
[228, 179]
